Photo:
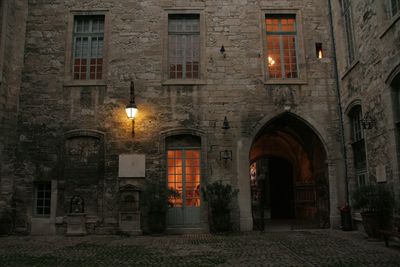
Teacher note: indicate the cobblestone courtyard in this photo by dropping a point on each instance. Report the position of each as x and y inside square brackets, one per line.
[294, 248]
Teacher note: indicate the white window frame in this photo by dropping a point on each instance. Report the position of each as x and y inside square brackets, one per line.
[348, 24]
[281, 49]
[90, 35]
[201, 80]
[357, 136]
[35, 204]
[184, 36]
[391, 12]
[68, 69]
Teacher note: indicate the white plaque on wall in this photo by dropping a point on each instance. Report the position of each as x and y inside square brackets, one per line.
[380, 173]
[132, 165]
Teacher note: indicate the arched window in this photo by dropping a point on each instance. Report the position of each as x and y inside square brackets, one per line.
[358, 145]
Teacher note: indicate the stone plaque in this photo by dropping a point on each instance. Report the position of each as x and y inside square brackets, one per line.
[132, 165]
[380, 173]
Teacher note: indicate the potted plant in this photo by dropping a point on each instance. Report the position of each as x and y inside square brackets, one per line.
[155, 198]
[376, 204]
[219, 198]
[6, 222]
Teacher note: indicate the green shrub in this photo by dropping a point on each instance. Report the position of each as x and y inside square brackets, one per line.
[219, 198]
[6, 221]
[375, 198]
[155, 198]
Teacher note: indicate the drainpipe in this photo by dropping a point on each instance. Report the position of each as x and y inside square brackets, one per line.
[339, 102]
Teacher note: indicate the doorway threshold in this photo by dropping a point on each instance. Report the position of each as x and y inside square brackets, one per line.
[275, 225]
[185, 230]
[284, 225]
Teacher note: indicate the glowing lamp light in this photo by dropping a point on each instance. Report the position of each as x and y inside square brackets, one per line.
[271, 61]
[131, 109]
[320, 54]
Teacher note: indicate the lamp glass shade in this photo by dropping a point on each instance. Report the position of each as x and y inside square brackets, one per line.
[131, 110]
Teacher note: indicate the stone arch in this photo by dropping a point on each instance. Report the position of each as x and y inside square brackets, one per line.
[394, 76]
[306, 119]
[301, 194]
[244, 146]
[353, 103]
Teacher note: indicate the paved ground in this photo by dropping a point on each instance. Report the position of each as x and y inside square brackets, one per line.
[291, 248]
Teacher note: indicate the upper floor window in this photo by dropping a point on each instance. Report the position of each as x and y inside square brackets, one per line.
[281, 46]
[393, 7]
[348, 25]
[358, 144]
[88, 43]
[183, 46]
[42, 199]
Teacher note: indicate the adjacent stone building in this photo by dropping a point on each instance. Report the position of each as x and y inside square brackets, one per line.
[368, 60]
[256, 94]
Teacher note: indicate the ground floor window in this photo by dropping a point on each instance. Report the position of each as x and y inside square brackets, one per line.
[42, 199]
[361, 179]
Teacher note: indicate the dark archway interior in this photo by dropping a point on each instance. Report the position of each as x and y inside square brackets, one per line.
[290, 180]
[282, 195]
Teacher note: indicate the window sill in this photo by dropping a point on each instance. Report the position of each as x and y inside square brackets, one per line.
[75, 83]
[349, 69]
[41, 217]
[284, 81]
[392, 22]
[184, 82]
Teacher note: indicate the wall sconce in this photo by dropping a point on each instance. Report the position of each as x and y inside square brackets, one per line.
[131, 108]
[222, 50]
[368, 122]
[225, 124]
[225, 155]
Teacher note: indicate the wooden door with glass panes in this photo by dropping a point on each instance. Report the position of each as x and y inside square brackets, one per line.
[184, 180]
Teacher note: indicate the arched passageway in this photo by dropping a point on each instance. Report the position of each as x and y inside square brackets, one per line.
[288, 175]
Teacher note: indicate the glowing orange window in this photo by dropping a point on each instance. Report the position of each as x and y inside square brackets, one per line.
[281, 46]
[184, 177]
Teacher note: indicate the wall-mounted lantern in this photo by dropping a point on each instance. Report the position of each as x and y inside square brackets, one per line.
[225, 124]
[225, 155]
[131, 108]
[368, 122]
[222, 50]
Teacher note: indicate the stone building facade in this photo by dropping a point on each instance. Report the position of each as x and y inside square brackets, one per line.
[245, 92]
[13, 16]
[368, 71]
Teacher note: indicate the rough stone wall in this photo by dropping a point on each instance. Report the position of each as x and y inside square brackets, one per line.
[232, 86]
[377, 55]
[13, 18]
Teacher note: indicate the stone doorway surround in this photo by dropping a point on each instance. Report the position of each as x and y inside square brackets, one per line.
[333, 163]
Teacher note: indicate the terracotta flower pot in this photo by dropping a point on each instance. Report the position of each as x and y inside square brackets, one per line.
[370, 221]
